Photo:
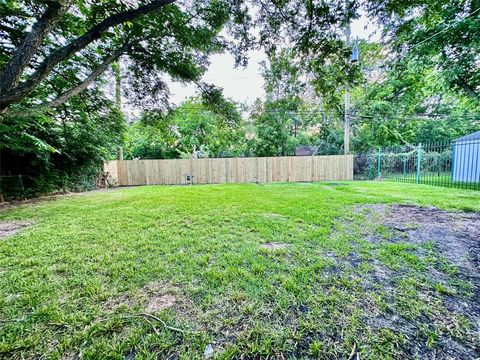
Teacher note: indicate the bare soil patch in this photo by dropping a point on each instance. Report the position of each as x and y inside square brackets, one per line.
[456, 234]
[152, 298]
[274, 246]
[10, 228]
[456, 245]
[159, 303]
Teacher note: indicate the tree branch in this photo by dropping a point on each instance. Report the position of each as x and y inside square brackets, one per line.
[468, 89]
[11, 95]
[29, 46]
[90, 78]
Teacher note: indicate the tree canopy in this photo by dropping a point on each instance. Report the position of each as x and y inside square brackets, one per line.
[192, 130]
[53, 50]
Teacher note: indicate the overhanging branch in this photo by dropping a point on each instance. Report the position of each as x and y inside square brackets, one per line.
[10, 95]
[29, 46]
[90, 78]
[468, 89]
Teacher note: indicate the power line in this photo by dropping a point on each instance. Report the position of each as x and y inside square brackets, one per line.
[412, 117]
[333, 115]
[217, 78]
[445, 29]
[277, 111]
[420, 115]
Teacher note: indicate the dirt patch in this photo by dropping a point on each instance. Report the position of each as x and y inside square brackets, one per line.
[274, 246]
[447, 246]
[455, 234]
[159, 303]
[151, 298]
[10, 228]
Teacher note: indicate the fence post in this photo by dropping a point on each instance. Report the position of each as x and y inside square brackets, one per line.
[419, 162]
[379, 166]
[370, 167]
[452, 162]
[120, 153]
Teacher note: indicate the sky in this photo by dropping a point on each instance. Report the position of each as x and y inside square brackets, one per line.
[245, 84]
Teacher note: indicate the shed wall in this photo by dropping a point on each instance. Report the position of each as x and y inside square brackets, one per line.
[466, 161]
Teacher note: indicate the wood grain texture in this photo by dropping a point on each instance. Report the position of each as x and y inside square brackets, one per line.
[231, 170]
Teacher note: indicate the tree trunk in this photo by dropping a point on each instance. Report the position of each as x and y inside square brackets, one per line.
[14, 94]
[24, 53]
[118, 85]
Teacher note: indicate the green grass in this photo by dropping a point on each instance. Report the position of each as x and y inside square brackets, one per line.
[438, 178]
[71, 284]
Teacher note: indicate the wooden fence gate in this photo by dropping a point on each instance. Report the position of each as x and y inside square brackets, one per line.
[231, 170]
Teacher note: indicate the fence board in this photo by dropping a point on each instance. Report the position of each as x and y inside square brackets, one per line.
[231, 170]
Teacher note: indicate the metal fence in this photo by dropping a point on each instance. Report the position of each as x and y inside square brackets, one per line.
[451, 164]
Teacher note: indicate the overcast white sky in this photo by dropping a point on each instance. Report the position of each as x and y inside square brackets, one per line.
[246, 84]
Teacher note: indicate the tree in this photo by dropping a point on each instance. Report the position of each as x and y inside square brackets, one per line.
[55, 126]
[59, 153]
[86, 37]
[436, 35]
[275, 120]
[56, 129]
[80, 39]
[405, 102]
[194, 129]
[54, 55]
[290, 115]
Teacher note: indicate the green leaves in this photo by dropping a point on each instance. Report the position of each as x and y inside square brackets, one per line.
[438, 37]
[195, 128]
[173, 41]
[39, 145]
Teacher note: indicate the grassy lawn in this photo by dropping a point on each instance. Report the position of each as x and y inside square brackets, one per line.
[244, 270]
[432, 178]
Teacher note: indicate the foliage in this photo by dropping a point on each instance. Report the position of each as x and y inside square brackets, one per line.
[194, 129]
[406, 105]
[422, 85]
[58, 151]
[436, 36]
[398, 102]
[289, 117]
[53, 52]
[159, 37]
[276, 128]
[312, 29]
[146, 141]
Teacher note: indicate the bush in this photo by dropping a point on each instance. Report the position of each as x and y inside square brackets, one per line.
[56, 153]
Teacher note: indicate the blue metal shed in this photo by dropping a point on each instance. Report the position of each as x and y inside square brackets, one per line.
[466, 158]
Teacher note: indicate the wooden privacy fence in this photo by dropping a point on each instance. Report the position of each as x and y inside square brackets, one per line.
[231, 170]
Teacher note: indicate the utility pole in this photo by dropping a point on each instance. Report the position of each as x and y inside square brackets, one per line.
[346, 133]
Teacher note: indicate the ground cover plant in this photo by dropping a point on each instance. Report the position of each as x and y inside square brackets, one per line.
[325, 270]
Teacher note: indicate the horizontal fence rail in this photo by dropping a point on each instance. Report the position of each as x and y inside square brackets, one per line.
[451, 164]
[231, 170]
